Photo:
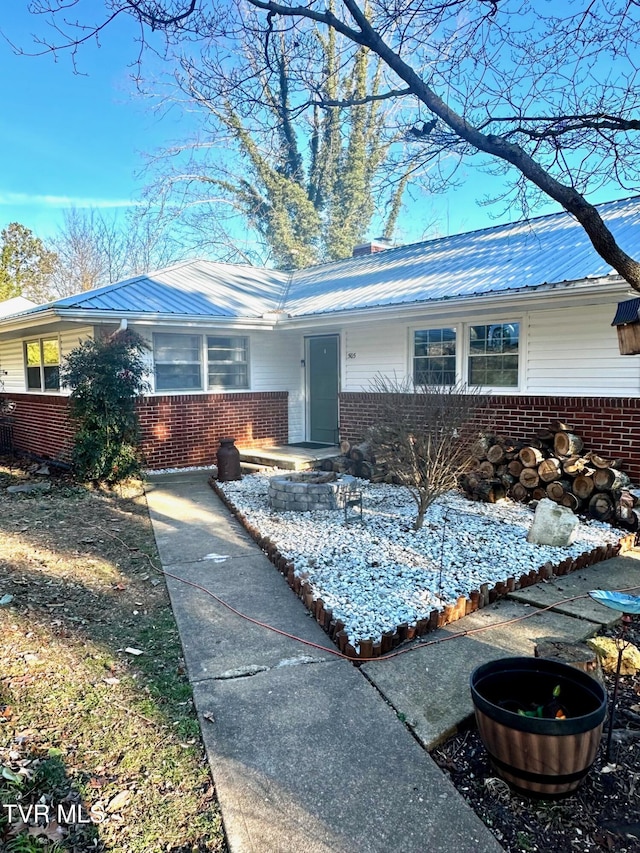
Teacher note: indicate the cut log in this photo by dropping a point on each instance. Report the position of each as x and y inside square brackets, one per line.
[360, 453]
[578, 655]
[486, 469]
[530, 457]
[538, 494]
[609, 479]
[557, 490]
[529, 478]
[326, 465]
[481, 447]
[575, 465]
[495, 454]
[520, 493]
[601, 506]
[345, 447]
[601, 462]
[567, 444]
[560, 426]
[515, 467]
[497, 492]
[583, 486]
[508, 480]
[366, 470]
[550, 469]
[546, 437]
[570, 500]
[628, 517]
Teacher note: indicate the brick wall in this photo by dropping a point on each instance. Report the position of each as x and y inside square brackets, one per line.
[186, 430]
[610, 426]
[41, 425]
[177, 432]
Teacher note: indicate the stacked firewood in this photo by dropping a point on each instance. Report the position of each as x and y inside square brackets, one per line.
[359, 461]
[555, 465]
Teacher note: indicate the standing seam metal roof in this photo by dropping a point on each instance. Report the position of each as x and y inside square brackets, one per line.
[547, 250]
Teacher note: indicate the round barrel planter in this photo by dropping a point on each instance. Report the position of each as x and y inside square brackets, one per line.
[538, 756]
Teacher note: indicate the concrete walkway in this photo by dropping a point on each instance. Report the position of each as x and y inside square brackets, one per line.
[308, 753]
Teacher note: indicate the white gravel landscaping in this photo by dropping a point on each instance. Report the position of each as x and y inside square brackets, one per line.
[382, 573]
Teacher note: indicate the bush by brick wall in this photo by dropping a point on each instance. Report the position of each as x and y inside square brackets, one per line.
[609, 426]
[177, 432]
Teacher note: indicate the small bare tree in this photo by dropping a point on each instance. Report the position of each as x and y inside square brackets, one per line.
[424, 434]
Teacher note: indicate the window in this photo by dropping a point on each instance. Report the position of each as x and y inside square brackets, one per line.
[42, 358]
[177, 360]
[434, 357]
[493, 355]
[228, 362]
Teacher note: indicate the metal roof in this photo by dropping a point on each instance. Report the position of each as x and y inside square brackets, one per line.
[628, 312]
[193, 288]
[522, 256]
[530, 254]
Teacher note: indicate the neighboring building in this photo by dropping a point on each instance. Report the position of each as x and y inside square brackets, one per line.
[522, 310]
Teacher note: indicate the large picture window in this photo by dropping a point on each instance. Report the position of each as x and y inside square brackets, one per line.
[493, 355]
[178, 362]
[228, 362]
[42, 359]
[434, 357]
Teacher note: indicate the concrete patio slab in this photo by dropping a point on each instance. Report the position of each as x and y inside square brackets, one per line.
[615, 574]
[430, 685]
[310, 758]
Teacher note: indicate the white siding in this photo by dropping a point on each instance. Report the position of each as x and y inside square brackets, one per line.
[276, 365]
[370, 348]
[575, 351]
[12, 354]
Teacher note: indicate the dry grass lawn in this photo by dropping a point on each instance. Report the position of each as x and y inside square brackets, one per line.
[89, 729]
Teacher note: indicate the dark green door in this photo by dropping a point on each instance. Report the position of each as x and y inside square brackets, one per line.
[323, 389]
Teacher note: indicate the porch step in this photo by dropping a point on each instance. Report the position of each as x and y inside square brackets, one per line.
[254, 467]
[285, 456]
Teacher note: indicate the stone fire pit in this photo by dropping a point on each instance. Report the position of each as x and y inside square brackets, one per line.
[309, 491]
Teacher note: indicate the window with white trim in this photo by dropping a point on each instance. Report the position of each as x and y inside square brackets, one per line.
[228, 361]
[178, 362]
[42, 362]
[493, 360]
[434, 357]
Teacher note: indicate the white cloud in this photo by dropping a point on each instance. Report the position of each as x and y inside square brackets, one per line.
[61, 201]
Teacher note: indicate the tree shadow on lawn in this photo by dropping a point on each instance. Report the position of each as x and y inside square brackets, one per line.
[79, 566]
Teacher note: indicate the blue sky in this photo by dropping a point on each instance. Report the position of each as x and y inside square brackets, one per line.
[78, 139]
[68, 138]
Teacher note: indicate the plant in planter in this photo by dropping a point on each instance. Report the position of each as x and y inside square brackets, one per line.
[540, 721]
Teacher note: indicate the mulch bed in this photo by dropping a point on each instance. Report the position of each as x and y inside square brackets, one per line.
[603, 814]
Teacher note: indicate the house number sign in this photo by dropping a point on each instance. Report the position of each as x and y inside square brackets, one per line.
[351, 355]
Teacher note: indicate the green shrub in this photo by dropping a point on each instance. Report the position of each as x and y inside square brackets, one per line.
[106, 376]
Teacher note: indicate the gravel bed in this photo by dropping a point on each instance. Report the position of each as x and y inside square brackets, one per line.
[377, 575]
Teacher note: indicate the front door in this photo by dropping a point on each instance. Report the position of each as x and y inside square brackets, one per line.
[323, 389]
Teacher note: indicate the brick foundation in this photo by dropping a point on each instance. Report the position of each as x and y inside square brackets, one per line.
[177, 432]
[610, 426]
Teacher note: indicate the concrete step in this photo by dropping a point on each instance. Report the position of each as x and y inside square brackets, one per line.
[254, 467]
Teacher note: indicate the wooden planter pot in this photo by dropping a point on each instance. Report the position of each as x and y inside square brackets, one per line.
[538, 757]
